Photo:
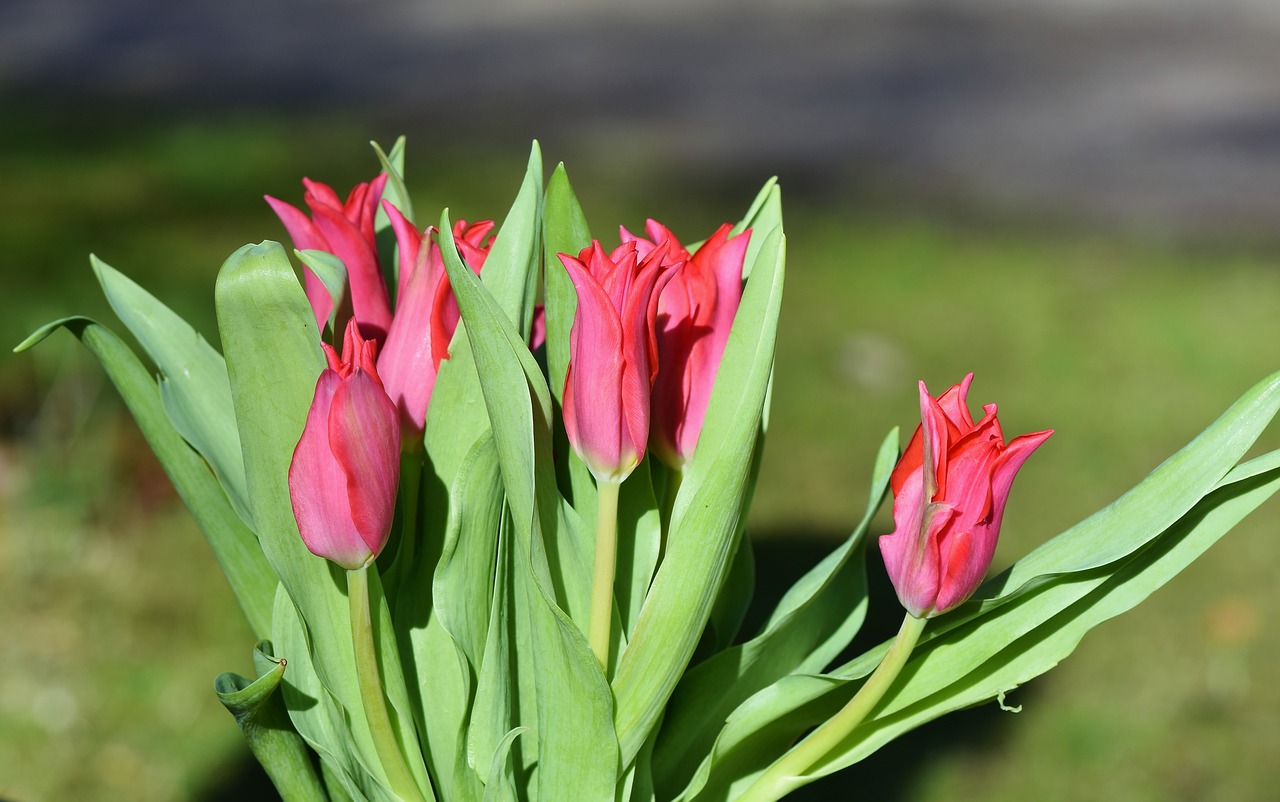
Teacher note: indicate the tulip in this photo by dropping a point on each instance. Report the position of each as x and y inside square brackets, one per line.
[426, 315]
[949, 493]
[695, 314]
[613, 355]
[344, 229]
[346, 466]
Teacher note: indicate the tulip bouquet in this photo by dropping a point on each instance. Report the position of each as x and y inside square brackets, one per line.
[481, 490]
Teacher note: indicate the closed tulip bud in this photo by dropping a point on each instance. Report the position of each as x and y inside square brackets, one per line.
[346, 466]
[426, 315]
[613, 355]
[949, 493]
[346, 230]
[695, 314]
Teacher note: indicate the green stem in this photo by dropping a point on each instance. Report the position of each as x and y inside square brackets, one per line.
[602, 578]
[370, 678]
[785, 775]
[675, 477]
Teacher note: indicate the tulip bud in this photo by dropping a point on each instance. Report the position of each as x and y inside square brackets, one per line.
[695, 314]
[949, 492]
[613, 355]
[346, 466]
[345, 230]
[426, 315]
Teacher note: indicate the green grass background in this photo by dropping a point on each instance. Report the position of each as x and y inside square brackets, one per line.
[115, 618]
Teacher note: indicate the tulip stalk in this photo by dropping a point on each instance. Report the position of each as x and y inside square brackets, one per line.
[371, 695]
[780, 778]
[598, 625]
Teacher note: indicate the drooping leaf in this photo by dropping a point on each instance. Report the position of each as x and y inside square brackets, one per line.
[236, 548]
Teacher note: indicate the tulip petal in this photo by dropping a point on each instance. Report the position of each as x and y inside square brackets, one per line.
[595, 381]
[365, 437]
[368, 290]
[317, 486]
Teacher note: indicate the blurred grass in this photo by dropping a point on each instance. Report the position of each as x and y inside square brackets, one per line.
[116, 618]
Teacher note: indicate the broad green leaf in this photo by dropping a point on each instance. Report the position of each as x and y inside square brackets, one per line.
[236, 548]
[816, 620]
[262, 717]
[273, 356]
[574, 707]
[196, 394]
[708, 512]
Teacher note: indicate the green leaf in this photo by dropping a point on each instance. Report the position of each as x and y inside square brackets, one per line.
[332, 274]
[564, 231]
[273, 355]
[195, 390]
[708, 512]
[816, 620]
[395, 191]
[763, 216]
[574, 706]
[262, 717]
[501, 786]
[236, 548]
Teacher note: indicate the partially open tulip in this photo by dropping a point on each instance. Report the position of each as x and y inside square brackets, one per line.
[346, 467]
[613, 355]
[949, 492]
[695, 314]
[344, 229]
[426, 314]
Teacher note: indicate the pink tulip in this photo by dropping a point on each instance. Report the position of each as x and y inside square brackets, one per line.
[426, 315]
[346, 467]
[613, 355]
[949, 492]
[695, 314]
[346, 231]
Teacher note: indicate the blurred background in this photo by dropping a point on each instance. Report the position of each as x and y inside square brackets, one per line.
[1077, 200]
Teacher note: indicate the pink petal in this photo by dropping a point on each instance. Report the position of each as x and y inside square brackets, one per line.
[596, 348]
[365, 437]
[306, 237]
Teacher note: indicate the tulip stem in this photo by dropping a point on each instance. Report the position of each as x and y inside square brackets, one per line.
[786, 774]
[606, 564]
[385, 743]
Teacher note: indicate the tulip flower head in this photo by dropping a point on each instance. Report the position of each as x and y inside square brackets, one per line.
[346, 466]
[613, 354]
[344, 229]
[426, 314]
[949, 493]
[695, 314]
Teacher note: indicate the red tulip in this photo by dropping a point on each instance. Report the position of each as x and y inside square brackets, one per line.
[949, 492]
[426, 315]
[346, 231]
[695, 314]
[346, 467]
[613, 355]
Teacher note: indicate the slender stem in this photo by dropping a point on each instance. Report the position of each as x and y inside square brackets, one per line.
[370, 679]
[602, 578]
[784, 775]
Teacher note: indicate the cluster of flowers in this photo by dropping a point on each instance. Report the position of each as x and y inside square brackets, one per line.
[651, 325]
